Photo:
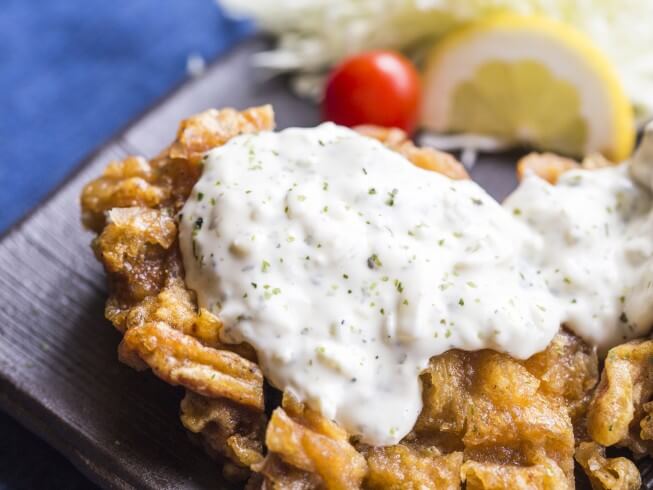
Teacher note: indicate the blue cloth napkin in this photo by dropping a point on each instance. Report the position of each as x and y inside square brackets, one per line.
[72, 72]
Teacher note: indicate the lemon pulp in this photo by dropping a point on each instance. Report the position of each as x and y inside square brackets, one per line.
[528, 80]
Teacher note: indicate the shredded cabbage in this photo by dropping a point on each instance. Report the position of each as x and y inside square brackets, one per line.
[315, 34]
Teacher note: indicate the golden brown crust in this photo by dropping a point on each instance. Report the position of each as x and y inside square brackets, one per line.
[490, 419]
[426, 158]
[404, 467]
[607, 473]
[130, 183]
[548, 166]
[135, 248]
[490, 406]
[180, 359]
[303, 439]
[227, 430]
[619, 411]
[544, 474]
[568, 369]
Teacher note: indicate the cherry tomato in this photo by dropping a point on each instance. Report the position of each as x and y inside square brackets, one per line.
[377, 87]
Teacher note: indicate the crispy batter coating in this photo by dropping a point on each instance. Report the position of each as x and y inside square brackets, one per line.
[426, 158]
[173, 304]
[619, 413]
[136, 250]
[544, 474]
[214, 127]
[227, 431]
[491, 407]
[549, 166]
[167, 180]
[489, 421]
[404, 467]
[305, 440]
[274, 474]
[568, 369]
[130, 183]
[607, 473]
[180, 359]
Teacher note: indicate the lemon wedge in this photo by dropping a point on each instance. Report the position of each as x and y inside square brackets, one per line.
[525, 79]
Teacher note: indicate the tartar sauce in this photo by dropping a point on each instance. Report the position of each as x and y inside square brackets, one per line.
[346, 267]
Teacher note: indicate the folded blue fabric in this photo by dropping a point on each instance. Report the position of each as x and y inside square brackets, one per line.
[74, 71]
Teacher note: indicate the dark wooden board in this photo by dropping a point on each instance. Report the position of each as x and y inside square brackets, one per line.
[59, 374]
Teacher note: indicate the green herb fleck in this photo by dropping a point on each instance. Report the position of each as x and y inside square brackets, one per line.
[373, 262]
[390, 201]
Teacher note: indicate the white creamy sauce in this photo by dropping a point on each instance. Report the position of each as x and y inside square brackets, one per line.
[346, 267]
[594, 249]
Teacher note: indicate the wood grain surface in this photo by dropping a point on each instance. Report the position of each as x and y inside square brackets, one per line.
[59, 374]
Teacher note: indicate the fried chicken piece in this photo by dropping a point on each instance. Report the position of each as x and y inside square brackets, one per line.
[607, 473]
[426, 158]
[227, 431]
[492, 409]
[619, 411]
[180, 359]
[548, 166]
[305, 440]
[404, 467]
